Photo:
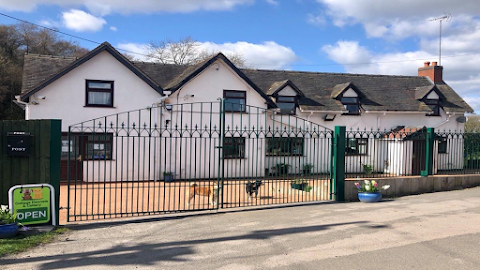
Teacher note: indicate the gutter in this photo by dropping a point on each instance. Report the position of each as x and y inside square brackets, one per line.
[395, 112]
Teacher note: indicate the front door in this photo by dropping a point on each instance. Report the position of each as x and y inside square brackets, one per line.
[418, 158]
[73, 149]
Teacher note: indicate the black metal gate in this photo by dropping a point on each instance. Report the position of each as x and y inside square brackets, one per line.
[190, 157]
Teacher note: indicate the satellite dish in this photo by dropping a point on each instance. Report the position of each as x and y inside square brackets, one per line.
[461, 119]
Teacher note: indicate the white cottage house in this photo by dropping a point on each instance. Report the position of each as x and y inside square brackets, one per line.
[131, 99]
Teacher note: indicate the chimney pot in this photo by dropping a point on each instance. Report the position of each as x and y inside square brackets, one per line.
[434, 72]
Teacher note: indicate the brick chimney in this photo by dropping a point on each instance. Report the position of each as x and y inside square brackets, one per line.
[434, 72]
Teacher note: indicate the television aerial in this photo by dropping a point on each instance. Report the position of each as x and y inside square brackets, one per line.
[447, 17]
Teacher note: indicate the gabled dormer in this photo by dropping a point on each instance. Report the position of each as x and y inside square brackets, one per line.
[350, 97]
[432, 97]
[286, 95]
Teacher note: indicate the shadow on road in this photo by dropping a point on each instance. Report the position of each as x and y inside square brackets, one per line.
[148, 254]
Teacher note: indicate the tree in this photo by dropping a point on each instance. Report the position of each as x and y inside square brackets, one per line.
[472, 124]
[185, 51]
[15, 41]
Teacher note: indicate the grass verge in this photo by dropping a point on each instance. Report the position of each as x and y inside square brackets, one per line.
[20, 243]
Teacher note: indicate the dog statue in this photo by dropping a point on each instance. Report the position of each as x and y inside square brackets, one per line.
[209, 191]
[252, 188]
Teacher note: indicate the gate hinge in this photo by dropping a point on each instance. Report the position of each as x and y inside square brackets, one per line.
[62, 208]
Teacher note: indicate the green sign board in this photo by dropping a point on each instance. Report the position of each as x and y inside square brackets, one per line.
[32, 203]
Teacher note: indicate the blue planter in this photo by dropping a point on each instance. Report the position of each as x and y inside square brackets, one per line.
[369, 197]
[8, 230]
[168, 178]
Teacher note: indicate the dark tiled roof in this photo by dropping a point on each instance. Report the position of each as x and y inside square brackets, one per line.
[275, 87]
[378, 92]
[162, 74]
[64, 69]
[38, 68]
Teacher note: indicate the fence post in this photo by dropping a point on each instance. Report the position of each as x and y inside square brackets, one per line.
[55, 156]
[429, 152]
[338, 164]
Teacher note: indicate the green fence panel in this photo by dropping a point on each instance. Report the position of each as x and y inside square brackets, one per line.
[338, 170]
[43, 163]
[430, 145]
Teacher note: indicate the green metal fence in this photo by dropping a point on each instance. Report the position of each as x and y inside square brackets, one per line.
[399, 152]
[457, 152]
[196, 156]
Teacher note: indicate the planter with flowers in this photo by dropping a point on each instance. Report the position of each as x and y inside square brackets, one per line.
[8, 224]
[369, 191]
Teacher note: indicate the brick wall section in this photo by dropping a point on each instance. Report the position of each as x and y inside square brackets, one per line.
[434, 72]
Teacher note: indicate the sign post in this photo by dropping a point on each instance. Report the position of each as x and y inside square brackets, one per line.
[33, 204]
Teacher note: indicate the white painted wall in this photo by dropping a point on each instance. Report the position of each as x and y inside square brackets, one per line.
[65, 98]
[197, 156]
[287, 91]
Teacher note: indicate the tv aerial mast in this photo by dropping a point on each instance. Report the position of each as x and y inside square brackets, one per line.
[447, 17]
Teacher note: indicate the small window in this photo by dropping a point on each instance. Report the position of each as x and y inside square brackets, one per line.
[442, 145]
[235, 100]
[287, 104]
[99, 147]
[356, 146]
[351, 104]
[434, 105]
[284, 146]
[99, 94]
[234, 147]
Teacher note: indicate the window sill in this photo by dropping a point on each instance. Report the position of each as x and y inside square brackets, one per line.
[287, 155]
[99, 106]
[236, 112]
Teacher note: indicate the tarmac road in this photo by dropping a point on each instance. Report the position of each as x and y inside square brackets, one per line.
[430, 231]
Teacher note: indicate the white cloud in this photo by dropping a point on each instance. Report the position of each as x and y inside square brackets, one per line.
[267, 55]
[80, 21]
[103, 7]
[139, 50]
[50, 23]
[398, 19]
[272, 2]
[113, 28]
[461, 72]
[317, 20]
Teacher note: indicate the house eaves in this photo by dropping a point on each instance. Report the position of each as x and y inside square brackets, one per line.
[195, 70]
[103, 47]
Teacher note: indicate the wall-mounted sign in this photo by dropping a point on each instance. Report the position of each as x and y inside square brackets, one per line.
[19, 144]
[34, 204]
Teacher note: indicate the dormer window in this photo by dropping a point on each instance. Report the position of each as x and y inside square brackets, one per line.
[351, 104]
[287, 105]
[434, 104]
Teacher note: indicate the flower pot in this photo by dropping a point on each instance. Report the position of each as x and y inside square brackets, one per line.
[301, 186]
[369, 197]
[168, 178]
[8, 230]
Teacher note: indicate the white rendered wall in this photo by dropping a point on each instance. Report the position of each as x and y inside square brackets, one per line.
[65, 98]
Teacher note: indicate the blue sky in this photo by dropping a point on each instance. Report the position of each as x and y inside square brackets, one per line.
[357, 36]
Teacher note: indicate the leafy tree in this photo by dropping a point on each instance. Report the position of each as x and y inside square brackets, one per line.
[472, 124]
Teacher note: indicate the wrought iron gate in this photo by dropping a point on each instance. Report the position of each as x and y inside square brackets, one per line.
[190, 157]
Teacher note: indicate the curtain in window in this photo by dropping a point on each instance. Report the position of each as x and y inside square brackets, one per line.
[103, 98]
